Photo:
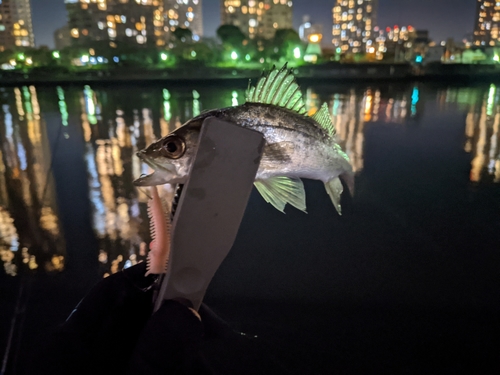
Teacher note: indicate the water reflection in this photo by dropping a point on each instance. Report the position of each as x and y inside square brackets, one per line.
[29, 224]
[481, 128]
[114, 123]
[352, 110]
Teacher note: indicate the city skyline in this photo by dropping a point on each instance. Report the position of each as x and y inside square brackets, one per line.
[443, 19]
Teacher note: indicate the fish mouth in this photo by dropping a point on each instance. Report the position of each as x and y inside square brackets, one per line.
[161, 175]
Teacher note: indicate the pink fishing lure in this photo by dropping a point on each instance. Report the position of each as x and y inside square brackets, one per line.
[159, 226]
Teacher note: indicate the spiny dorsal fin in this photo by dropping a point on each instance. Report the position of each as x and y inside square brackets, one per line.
[278, 88]
[322, 117]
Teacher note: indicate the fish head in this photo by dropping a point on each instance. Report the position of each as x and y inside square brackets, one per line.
[171, 156]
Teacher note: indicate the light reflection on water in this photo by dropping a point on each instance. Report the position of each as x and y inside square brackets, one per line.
[115, 124]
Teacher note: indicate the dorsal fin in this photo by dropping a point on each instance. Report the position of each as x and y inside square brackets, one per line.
[322, 117]
[277, 88]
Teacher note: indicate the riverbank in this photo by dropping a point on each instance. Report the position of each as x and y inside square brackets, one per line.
[333, 71]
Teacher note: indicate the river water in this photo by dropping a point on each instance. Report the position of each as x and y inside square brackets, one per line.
[421, 235]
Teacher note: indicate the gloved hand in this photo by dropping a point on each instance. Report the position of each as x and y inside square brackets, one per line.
[112, 331]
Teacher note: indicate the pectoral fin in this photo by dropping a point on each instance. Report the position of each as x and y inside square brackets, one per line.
[282, 190]
[334, 189]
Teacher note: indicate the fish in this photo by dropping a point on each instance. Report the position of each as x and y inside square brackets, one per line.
[296, 145]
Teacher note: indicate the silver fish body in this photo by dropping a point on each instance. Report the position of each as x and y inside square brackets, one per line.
[296, 145]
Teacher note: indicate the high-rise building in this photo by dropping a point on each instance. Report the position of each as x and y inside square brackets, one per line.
[396, 41]
[16, 27]
[486, 31]
[186, 14]
[353, 23]
[138, 22]
[257, 18]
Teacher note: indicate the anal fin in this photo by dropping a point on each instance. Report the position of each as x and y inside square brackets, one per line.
[334, 189]
[282, 190]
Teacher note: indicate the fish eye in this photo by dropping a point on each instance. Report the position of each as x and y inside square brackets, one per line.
[173, 147]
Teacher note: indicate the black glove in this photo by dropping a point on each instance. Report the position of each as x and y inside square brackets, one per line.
[112, 331]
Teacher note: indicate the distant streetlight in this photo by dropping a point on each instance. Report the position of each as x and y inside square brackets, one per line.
[163, 56]
[234, 55]
[296, 52]
[85, 58]
[247, 57]
[315, 38]
[20, 56]
[496, 58]
[29, 61]
[193, 53]
[56, 55]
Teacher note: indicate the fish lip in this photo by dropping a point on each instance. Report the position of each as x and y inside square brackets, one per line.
[156, 168]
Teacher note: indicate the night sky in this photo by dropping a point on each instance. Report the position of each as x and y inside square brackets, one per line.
[443, 18]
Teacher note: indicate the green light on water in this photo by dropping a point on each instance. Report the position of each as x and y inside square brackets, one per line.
[167, 114]
[196, 103]
[166, 94]
[491, 100]
[27, 100]
[63, 108]
[89, 104]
